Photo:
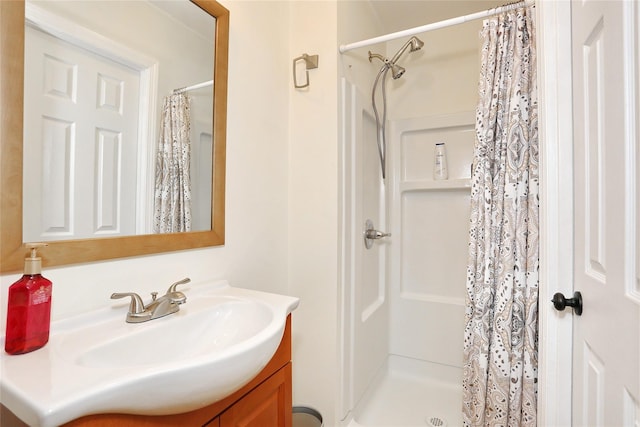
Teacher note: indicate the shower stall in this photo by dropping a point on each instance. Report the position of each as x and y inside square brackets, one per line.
[403, 294]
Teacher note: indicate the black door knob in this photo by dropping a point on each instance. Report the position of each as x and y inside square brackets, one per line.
[560, 302]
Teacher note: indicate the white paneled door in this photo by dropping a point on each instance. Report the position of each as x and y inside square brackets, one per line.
[81, 142]
[606, 377]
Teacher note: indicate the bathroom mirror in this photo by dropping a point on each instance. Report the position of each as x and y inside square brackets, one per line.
[59, 252]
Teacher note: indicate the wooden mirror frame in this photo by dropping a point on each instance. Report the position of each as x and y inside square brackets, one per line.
[12, 252]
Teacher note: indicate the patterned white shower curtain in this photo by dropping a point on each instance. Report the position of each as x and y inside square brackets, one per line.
[172, 201]
[501, 331]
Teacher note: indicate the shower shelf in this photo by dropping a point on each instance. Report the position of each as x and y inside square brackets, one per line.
[431, 185]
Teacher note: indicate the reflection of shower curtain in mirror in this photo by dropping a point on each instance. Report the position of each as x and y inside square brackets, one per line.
[172, 201]
[501, 333]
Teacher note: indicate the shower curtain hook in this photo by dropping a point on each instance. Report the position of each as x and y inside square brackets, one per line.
[311, 62]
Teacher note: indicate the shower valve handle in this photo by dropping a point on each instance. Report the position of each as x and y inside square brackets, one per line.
[371, 234]
[375, 234]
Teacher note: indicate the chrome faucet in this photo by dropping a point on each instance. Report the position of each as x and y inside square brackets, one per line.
[158, 307]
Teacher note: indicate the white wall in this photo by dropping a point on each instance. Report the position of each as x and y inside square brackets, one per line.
[313, 208]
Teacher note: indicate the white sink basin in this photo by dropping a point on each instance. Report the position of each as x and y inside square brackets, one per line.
[97, 363]
[207, 325]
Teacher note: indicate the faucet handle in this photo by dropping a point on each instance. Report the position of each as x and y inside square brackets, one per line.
[173, 287]
[136, 306]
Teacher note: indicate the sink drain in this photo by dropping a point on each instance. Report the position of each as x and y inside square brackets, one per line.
[436, 422]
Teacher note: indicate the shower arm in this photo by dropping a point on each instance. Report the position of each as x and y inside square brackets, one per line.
[380, 57]
[401, 51]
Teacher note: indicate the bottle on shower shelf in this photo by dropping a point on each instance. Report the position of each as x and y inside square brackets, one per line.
[440, 171]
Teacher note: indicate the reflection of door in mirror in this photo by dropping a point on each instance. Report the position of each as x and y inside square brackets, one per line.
[92, 138]
[82, 135]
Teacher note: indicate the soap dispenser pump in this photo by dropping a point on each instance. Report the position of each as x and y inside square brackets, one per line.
[29, 307]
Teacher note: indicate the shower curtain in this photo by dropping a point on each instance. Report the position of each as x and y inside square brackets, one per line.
[172, 201]
[501, 315]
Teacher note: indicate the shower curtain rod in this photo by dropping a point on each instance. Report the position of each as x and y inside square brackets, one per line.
[192, 87]
[434, 26]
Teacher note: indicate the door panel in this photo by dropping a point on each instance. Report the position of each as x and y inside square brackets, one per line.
[81, 142]
[606, 379]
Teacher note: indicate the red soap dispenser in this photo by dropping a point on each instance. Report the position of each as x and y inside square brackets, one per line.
[29, 307]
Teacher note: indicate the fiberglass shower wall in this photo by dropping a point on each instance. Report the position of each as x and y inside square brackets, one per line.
[405, 300]
[429, 218]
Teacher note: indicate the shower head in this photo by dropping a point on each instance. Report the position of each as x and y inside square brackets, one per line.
[396, 71]
[413, 44]
[416, 43]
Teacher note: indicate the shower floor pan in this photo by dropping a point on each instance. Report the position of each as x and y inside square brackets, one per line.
[410, 392]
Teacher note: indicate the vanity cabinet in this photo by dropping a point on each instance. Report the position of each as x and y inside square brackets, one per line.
[264, 402]
[269, 404]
